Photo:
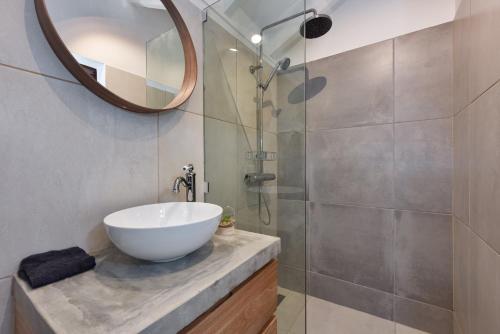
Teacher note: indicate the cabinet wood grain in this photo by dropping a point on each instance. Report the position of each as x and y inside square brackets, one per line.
[249, 309]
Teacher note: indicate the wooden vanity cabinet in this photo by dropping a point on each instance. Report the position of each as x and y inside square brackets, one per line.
[249, 309]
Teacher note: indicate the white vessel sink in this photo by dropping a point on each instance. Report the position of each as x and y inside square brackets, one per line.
[163, 232]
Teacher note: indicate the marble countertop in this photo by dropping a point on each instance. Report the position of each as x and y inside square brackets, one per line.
[124, 295]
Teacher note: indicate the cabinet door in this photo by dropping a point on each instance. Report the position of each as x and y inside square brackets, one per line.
[249, 309]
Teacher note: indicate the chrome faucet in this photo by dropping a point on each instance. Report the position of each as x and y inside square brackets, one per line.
[188, 181]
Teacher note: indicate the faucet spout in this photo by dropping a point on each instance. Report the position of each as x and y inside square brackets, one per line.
[177, 184]
[188, 181]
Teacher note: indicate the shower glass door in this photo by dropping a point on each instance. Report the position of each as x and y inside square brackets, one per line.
[255, 132]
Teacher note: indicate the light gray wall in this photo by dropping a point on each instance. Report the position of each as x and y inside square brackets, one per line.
[476, 191]
[379, 175]
[68, 158]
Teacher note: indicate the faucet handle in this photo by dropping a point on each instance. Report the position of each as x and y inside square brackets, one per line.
[188, 168]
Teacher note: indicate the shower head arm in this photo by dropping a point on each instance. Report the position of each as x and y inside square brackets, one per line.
[288, 18]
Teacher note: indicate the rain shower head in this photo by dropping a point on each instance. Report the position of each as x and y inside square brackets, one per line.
[316, 26]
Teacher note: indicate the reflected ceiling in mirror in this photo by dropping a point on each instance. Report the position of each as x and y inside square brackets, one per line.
[136, 54]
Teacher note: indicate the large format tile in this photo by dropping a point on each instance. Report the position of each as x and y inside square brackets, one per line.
[220, 73]
[246, 101]
[180, 143]
[485, 45]
[292, 165]
[484, 288]
[292, 231]
[351, 166]
[461, 55]
[354, 296]
[193, 19]
[423, 171]
[424, 317]
[22, 43]
[292, 278]
[485, 166]
[424, 74]
[74, 158]
[6, 307]
[354, 244]
[365, 72]
[291, 112]
[461, 163]
[461, 274]
[221, 164]
[424, 257]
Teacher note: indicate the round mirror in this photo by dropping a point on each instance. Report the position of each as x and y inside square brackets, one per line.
[135, 54]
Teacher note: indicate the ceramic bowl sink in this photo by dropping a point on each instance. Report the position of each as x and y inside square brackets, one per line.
[163, 232]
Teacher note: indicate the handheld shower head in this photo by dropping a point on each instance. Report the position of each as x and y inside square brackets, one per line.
[283, 65]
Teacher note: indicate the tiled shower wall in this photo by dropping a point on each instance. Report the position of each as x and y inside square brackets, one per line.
[379, 169]
[476, 191]
[68, 158]
[230, 127]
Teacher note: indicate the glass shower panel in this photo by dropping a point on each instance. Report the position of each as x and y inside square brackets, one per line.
[255, 134]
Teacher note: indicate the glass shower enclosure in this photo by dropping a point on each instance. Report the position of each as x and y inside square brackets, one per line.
[254, 120]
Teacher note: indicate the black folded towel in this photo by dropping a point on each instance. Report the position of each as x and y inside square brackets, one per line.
[42, 269]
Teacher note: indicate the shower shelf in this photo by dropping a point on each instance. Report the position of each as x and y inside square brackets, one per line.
[262, 156]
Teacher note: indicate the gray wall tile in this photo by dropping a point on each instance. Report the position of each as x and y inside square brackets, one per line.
[461, 56]
[75, 159]
[354, 244]
[461, 274]
[485, 288]
[6, 307]
[424, 74]
[292, 278]
[423, 171]
[220, 76]
[221, 137]
[355, 296]
[291, 112]
[484, 30]
[180, 142]
[424, 317]
[424, 257]
[485, 167]
[22, 43]
[292, 165]
[193, 19]
[351, 166]
[359, 88]
[461, 166]
[292, 231]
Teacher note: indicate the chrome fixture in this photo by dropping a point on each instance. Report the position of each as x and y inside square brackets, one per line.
[255, 178]
[188, 181]
[313, 27]
[283, 65]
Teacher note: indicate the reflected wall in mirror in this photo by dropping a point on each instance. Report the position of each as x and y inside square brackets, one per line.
[136, 54]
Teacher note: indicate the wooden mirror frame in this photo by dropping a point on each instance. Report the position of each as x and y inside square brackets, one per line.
[65, 56]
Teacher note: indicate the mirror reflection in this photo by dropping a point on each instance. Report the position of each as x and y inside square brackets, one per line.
[132, 47]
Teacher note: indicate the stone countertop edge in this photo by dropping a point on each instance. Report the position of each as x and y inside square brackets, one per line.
[186, 309]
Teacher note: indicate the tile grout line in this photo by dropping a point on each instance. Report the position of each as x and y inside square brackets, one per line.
[477, 236]
[356, 205]
[381, 291]
[39, 74]
[394, 223]
[377, 124]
